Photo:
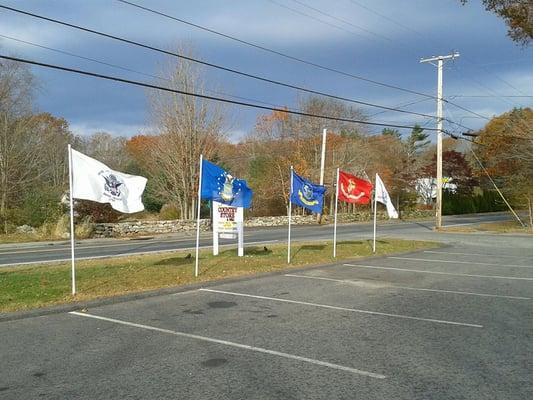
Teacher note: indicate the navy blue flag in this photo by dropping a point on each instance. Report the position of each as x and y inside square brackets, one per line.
[307, 194]
[220, 186]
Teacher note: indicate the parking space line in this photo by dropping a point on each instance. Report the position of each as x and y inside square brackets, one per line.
[461, 262]
[412, 288]
[236, 345]
[440, 273]
[304, 303]
[475, 254]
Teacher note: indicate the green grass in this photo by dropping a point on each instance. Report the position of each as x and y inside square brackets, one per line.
[493, 227]
[38, 286]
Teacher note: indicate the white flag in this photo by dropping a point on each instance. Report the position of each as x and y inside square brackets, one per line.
[383, 197]
[93, 180]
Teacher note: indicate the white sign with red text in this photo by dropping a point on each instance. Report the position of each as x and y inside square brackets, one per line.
[228, 223]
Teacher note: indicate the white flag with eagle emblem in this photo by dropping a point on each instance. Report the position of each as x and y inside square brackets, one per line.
[93, 180]
[383, 197]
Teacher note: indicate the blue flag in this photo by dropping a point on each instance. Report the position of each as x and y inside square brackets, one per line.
[220, 186]
[307, 194]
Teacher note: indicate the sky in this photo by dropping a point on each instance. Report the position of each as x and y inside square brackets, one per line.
[382, 40]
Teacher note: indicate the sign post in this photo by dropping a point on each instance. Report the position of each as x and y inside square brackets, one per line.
[228, 223]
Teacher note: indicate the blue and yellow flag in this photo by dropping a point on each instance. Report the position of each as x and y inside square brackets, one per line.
[220, 186]
[307, 194]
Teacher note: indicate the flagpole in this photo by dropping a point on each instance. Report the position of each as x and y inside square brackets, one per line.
[335, 220]
[290, 216]
[72, 239]
[375, 212]
[198, 215]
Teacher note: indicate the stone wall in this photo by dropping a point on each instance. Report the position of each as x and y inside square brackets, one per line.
[135, 228]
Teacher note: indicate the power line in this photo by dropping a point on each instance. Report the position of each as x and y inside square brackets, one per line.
[162, 88]
[191, 59]
[402, 105]
[126, 68]
[344, 21]
[279, 53]
[425, 37]
[314, 18]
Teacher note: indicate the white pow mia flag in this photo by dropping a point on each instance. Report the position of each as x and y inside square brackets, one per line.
[93, 180]
[383, 197]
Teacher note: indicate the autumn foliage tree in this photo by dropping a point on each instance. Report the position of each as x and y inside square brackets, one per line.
[506, 150]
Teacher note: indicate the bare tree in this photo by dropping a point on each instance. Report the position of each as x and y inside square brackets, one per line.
[19, 147]
[187, 127]
[111, 150]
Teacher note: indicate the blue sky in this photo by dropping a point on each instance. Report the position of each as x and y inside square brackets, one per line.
[383, 40]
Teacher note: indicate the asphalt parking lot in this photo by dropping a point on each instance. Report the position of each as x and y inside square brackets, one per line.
[450, 323]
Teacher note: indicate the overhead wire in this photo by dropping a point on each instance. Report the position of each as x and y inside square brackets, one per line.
[272, 51]
[198, 95]
[127, 69]
[425, 37]
[209, 64]
[349, 23]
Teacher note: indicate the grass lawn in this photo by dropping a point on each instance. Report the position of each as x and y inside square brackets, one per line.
[37, 286]
[494, 227]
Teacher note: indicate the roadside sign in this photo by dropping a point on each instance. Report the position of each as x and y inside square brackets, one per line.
[228, 223]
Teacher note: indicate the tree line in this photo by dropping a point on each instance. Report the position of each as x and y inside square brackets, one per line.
[34, 169]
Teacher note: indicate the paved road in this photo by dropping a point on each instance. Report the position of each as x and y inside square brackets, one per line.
[449, 323]
[55, 251]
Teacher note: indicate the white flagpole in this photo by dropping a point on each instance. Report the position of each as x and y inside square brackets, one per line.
[335, 220]
[290, 216]
[198, 215]
[71, 201]
[375, 212]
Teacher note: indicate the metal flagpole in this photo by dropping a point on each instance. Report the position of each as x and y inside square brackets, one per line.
[198, 215]
[71, 201]
[290, 215]
[322, 164]
[335, 220]
[375, 212]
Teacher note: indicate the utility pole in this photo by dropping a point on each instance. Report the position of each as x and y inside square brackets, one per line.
[440, 60]
[322, 164]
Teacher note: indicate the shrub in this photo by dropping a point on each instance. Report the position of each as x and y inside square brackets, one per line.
[96, 211]
[84, 228]
[168, 212]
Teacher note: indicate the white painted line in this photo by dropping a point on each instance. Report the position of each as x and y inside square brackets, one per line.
[440, 273]
[343, 308]
[477, 254]
[412, 288]
[462, 262]
[137, 253]
[467, 223]
[233, 344]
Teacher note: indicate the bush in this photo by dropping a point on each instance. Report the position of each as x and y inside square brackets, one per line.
[97, 212]
[487, 201]
[38, 206]
[84, 228]
[169, 212]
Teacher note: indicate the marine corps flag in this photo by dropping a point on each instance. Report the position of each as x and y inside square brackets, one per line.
[353, 189]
